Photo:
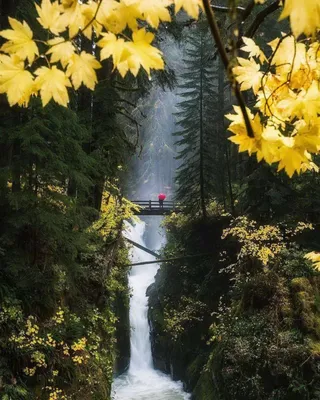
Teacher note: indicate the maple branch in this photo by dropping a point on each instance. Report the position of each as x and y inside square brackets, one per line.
[261, 16]
[90, 22]
[226, 9]
[247, 12]
[226, 62]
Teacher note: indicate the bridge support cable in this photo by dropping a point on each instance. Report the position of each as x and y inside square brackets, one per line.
[139, 246]
[171, 259]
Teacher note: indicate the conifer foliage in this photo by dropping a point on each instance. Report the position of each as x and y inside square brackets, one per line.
[195, 122]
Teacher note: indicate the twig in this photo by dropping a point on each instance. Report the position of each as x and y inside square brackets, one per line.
[90, 22]
[223, 54]
[226, 9]
[248, 10]
[261, 17]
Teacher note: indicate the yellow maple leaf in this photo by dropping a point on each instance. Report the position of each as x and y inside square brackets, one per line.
[130, 56]
[60, 51]
[237, 118]
[52, 83]
[304, 16]
[288, 55]
[273, 91]
[303, 105]
[315, 258]
[192, 7]
[20, 40]
[268, 145]
[238, 127]
[143, 54]
[91, 21]
[291, 158]
[244, 142]
[307, 136]
[154, 11]
[82, 68]
[248, 74]
[121, 15]
[73, 18]
[50, 17]
[106, 10]
[309, 166]
[15, 81]
[117, 49]
[68, 3]
[253, 49]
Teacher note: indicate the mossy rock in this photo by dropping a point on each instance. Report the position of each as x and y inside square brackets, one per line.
[258, 291]
[301, 285]
[194, 369]
[306, 304]
[156, 317]
[205, 389]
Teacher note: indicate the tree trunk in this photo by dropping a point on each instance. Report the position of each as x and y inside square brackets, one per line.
[202, 188]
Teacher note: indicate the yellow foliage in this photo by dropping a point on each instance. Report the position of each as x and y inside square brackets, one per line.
[20, 41]
[114, 210]
[107, 19]
[81, 69]
[315, 258]
[60, 50]
[262, 242]
[304, 16]
[248, 74]
[15, 80]
[80, 345]
[52, 83]
[288, 102]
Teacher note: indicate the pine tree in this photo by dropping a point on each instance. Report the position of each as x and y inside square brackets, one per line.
[195, 120]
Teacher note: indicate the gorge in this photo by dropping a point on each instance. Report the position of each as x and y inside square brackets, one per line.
[142, 381]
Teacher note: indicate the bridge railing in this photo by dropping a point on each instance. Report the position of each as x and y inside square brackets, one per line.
[154, 204]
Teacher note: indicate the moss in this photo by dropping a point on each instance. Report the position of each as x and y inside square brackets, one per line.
[315, 347]
[305, 298]
[258, 291]
[194, 369]
[156, 316]
[204, 389]
[301, 285]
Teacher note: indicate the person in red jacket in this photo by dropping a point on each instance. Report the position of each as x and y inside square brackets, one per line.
[161, 198]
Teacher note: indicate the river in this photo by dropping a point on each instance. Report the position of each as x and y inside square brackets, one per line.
[142, 381]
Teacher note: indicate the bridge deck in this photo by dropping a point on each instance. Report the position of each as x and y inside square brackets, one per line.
[152, 207]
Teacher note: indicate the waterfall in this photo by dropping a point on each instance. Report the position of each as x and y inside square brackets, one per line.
[142, 381]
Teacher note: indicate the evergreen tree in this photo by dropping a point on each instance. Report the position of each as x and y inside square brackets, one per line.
[195, 120]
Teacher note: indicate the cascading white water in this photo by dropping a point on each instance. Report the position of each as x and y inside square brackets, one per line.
[142, 382]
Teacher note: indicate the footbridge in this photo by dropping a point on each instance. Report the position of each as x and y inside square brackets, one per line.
[152, 207]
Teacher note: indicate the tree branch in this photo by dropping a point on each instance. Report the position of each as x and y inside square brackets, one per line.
[245, 12]
[223, 54]
[261, 17]
[226, 9]
[248, 10]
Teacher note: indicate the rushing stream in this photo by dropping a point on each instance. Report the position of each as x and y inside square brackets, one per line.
[142, 381]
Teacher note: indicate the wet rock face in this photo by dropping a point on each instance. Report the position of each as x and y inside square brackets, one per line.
[123, 336]
[158, 341]
[176, 358]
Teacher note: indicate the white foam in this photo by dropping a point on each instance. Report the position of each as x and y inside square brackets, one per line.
[142, 382]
